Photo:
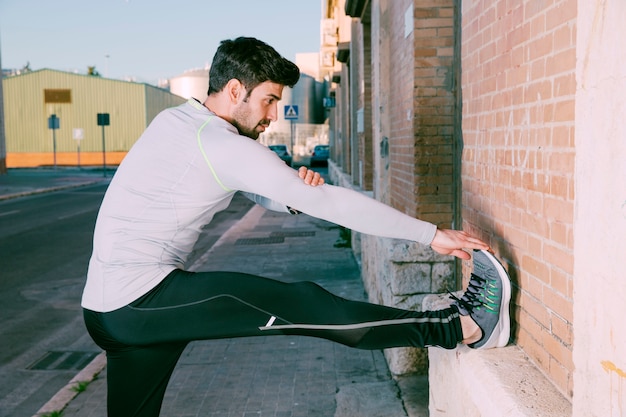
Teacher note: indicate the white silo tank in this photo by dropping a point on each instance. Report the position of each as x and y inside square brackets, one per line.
[192, 83]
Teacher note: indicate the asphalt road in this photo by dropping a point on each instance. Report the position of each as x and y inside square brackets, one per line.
[45, 244]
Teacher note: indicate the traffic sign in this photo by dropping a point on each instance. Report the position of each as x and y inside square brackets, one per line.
[291, 112]
[103, 119]
[78, 133]
[54, 122]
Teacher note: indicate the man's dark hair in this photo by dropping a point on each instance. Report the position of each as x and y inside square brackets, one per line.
[252, 62]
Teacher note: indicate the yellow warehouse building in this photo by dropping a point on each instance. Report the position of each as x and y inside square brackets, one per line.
[31, 99]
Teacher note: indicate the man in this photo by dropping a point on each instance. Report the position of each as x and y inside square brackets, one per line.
[143, 308]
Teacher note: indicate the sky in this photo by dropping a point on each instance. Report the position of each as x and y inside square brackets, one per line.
[147, 40]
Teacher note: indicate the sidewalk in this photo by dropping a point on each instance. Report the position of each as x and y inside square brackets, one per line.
[265, 376]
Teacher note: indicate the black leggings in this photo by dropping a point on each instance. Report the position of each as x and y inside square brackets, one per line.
[145, 339]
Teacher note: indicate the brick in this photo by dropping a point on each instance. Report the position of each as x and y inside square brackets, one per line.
[558, 209]
[535, 309]
[533, 349]
[564, 37]
[561, 376]
[536, 268]
[559, 304]
[557, 350]
[559, 233]
[562, 62]
[562, 329]
[434, 23]
[532, 286]
[540, 47]
[561, 14]
[562, 283]
[564, 111]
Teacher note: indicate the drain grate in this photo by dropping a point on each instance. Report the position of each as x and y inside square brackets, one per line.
[260, 240]
[63, 361]
[295, 233]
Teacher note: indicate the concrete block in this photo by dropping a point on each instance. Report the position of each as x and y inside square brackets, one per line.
[407, 360]
[442, 277]
[435, 302]
[414, 392]
[413, 302]
[410, 278]
[404, 251]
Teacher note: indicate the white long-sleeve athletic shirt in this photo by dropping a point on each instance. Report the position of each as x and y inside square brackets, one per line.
[184, 169]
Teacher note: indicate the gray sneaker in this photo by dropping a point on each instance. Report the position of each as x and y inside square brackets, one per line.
[486, 301]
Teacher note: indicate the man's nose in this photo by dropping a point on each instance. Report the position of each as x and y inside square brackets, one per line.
[272, 113]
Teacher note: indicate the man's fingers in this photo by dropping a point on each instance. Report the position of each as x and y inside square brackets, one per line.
[461, 254]
[317, 179]
[310, 177]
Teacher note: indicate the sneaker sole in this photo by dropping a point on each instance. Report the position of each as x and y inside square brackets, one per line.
[502, 332]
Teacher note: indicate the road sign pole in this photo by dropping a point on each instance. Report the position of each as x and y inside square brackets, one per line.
[78, 134]
[54, 147]
[103, 120]
[293, 128]
[54, 124]
[104, 156]
[291, 114]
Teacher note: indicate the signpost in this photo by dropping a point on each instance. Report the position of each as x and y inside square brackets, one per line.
[103, 120]
[291, 114]
[78, 134]
[54, 123]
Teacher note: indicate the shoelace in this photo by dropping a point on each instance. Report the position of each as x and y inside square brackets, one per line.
[472, 298]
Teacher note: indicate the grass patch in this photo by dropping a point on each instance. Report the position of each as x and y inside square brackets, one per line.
[53, 414]
[80, 387]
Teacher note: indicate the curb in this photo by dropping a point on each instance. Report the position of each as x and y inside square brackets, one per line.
[252, 216]
[45, 190]
[66, 394]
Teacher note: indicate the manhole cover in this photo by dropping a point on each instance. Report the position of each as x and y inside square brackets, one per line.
[59, 360]
[260, 240]
[295, 233]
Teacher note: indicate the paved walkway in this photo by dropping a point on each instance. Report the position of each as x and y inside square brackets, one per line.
[276, 376]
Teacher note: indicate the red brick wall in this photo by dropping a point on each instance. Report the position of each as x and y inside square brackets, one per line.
[401, 138]
[366, 146]
[518, 83]
[434, 104]
[422, 110]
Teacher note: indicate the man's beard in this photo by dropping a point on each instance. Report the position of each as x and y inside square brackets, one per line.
[252, 133]
[242, 116]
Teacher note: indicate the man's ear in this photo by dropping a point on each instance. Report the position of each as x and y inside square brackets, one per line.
[236, 90]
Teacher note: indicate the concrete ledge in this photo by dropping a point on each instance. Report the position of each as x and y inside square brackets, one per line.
[488, 383]
[491, 383]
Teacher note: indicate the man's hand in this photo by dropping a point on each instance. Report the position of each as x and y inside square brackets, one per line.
[452, 242]
[310, 177]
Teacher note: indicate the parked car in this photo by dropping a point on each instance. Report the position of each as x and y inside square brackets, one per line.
[319, 156]
[282, 152]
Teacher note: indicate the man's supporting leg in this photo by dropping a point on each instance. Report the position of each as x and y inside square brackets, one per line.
[137, 378]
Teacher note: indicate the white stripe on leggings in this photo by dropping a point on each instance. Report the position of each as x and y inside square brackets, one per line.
[360, 325]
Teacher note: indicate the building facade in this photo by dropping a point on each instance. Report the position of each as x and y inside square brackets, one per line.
[502, 119]
[30, 99]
